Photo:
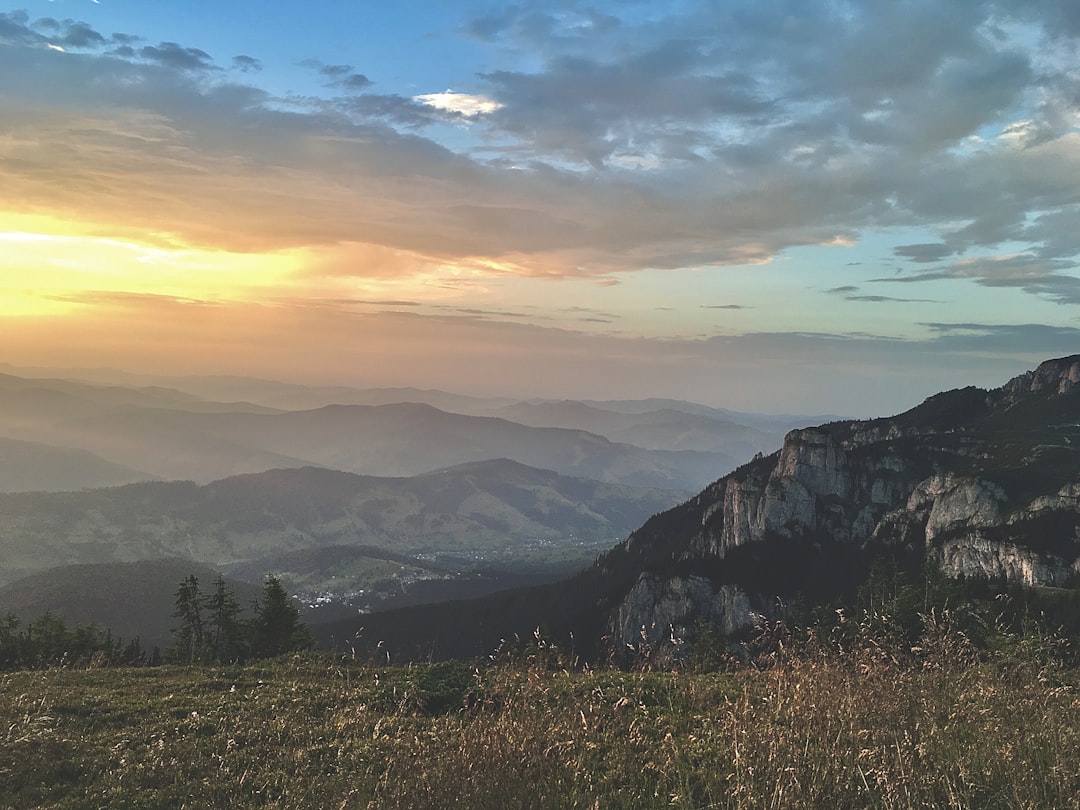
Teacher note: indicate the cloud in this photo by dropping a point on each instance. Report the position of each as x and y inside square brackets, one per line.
[339, 76]
[113, 299]
[463, 104]
[246, 64]
[397, 110]
[850, 292]
[686, 135]
[64, 33]
[923, 253]
[177, 57]
[1027, 272]
[908, 75]
[80, 35]
[1031, 339]
[880, 299]
[474, 312]
[15, 29]
[342, 304]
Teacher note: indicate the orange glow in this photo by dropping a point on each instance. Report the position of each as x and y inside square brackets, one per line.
[51, 266]
[55, 267]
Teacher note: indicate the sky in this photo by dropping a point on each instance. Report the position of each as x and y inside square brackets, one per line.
[768, 205]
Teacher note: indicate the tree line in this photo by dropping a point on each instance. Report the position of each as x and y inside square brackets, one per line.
[48, 641]
[212, 628]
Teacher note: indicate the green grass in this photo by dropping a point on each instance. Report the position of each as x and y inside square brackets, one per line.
[821, 728]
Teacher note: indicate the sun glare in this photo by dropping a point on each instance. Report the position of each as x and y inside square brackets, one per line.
[45, 271]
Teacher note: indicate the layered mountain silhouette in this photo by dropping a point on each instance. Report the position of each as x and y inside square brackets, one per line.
[156, 432]
[982, 484]
[360, 496]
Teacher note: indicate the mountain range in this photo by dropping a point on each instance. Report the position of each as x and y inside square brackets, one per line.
[980, 484]
[61, 434]
[359, 498]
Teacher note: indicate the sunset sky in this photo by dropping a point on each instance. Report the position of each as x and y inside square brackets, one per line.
[796, 206]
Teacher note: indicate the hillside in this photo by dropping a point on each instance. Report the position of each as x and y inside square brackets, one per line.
[666, 428]
[475, 511]
[33, 466]
[982, 484]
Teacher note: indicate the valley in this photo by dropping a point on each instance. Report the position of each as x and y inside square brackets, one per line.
[979, 484]
[360, 499]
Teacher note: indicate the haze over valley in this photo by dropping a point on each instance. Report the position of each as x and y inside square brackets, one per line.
[360, 499]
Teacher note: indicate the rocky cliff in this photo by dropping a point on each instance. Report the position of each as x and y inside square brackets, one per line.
[983, 483]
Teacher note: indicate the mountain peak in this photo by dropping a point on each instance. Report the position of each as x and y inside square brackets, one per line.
[1052, 377]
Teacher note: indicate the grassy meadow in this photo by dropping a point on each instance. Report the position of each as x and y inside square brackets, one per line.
[809, 726]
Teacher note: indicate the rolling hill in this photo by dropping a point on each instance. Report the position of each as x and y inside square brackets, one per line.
[481, 508]
[31, 466]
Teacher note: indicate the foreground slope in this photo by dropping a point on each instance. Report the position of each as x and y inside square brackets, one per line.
[986, 484]
[843, 732]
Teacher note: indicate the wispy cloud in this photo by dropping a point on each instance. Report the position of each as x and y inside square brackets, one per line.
[851, 293]
[1032, 274]
[344, 77]
[923, 253]
[245, 63]
[177, 57]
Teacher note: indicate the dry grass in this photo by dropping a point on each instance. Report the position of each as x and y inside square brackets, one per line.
[818, 728]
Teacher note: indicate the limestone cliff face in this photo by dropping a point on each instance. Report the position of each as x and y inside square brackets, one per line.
[674, 604]
[985, 484]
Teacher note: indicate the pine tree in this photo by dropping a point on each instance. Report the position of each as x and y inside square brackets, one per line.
[224, 631]
[10, 647]
[189, 646]
[277, 627]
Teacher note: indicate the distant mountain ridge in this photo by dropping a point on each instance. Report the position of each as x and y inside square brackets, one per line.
[479, 507]
[168, 434]
[33, 466]
[984, 484]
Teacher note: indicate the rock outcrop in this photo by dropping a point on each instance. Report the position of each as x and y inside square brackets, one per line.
[983, 483]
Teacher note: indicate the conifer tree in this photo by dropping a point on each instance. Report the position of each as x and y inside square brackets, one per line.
[9, 641]
[189, 645]
[223, 628]
[277, 627]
